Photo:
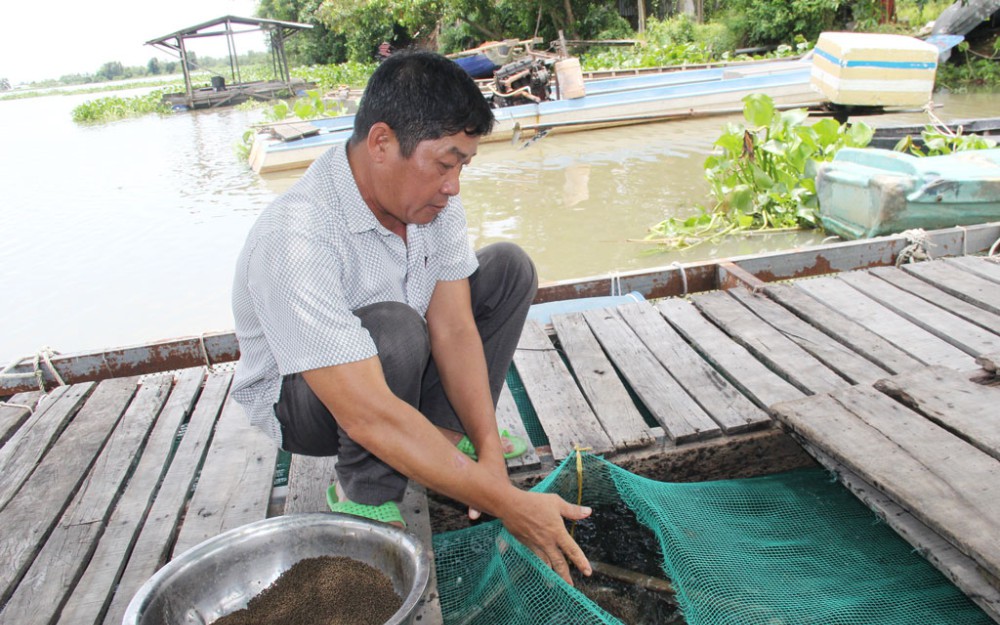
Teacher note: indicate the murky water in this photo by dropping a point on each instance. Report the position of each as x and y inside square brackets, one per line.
[128, 232]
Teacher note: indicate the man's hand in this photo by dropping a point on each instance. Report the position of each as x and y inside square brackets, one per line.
[537, 521]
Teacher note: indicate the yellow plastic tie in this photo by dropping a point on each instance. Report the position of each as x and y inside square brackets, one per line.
[579, 481]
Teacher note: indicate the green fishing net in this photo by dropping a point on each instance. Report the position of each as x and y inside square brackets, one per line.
[789, 549]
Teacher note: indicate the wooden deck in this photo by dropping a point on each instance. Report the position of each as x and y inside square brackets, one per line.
[872, 371]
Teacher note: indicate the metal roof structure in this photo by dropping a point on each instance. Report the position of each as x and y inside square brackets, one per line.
[229, 26]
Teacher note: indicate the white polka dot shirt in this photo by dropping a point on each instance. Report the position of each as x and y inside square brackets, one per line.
[316, 254]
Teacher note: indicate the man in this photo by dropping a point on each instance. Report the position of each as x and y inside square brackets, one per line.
[370, 330]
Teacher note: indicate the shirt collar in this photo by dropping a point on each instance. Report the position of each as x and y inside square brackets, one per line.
[358, 215]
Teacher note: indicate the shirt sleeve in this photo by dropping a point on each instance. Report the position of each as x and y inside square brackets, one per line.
[297, 291]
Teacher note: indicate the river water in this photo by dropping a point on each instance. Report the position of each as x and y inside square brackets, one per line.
[128, 232]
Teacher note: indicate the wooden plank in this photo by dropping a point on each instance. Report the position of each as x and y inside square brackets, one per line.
[904, 334]
[947, 484]
[153, 545]
[682, 418]
[970, 312]
[843, 328]
[978, 265]
[28, 445]
[846, 362]
[597, 378]
[309, 477]
[950, 328]
[61, 561]
[956, 566]
[289, 131]
[745, 372]
[961, 284]
[562, 409]
[93, 592]
[509, 418]
[948, 398]
[235, 483]
[33, 511]
[721, 400]
[14, 412]
[416, 512]
[779, 353]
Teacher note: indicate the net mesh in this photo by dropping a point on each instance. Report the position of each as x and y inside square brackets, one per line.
[793, 548]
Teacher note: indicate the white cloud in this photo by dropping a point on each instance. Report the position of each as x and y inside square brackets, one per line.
[61, 37]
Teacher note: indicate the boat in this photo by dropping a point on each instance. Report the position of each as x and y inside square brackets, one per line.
[606, 103]
[888, 137]
[868, 192]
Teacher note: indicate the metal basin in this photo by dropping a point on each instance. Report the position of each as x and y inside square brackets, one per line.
[222, 574]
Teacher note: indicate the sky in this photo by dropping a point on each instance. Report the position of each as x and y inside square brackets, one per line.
[51, 39]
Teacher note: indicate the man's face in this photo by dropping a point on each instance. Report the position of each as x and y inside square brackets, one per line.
[415, 189]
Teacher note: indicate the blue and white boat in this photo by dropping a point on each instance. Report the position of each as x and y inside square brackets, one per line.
[611, 102]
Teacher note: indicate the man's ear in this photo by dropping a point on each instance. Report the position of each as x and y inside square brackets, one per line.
[380, 140]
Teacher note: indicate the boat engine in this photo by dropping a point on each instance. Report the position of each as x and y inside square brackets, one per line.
[520, 82]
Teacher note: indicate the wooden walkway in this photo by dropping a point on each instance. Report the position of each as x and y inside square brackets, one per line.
[106, 481]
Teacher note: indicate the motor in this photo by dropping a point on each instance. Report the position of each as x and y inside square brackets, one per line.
[522, 81]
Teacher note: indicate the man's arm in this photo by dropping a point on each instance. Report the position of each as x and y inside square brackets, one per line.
[398, 434]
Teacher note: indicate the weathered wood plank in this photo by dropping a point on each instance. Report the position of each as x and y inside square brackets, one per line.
[977, 265]
[29, 444]
[62, 559]
[93, 592]
[155, 541]
[846, 362]
[14, 412]
[682, 418]
[745, 372]
[961, 284]
[417, 515]
[842, 328]
[947, 484]
[956, 566]
[906, 335]
[289, 131]
[309, 477]
[970, 312]
[720, 399]
[235, 483]
[950, 328]
[509, 418]
[597, 378]
[562, 409]
[948, 398]
[31, 514]
[781, 355]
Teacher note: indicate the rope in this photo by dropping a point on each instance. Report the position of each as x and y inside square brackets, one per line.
[684, 277]
[616, 284]
[965, 240]
[993, 248]
[204, 351]
[43, 356]
[917, 248]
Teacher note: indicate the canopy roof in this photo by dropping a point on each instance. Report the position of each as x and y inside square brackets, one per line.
[254, 23]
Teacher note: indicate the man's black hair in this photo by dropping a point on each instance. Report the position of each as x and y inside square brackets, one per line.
[422, 95]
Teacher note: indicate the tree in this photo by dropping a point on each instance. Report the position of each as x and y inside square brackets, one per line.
[153, 66]
[111, 70]
[317, 45]
[4, 84]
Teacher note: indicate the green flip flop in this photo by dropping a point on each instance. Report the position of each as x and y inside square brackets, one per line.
[385, 513]
[518, 446]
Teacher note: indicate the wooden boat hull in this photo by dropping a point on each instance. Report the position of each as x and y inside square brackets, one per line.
[887, 137]
[615, 102]
[865, 193]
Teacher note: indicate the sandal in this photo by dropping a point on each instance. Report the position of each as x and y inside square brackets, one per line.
[385, 513]
[518, 446]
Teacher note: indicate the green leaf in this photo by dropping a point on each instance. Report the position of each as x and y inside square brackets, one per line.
[758, 109]
[859, 134]
[827, 131]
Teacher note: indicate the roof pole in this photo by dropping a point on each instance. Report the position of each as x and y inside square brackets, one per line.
[184, 68]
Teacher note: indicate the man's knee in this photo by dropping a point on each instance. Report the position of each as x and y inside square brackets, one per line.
[400, 335]
[509, 264]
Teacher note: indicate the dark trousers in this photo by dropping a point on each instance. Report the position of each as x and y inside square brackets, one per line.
[502, 290]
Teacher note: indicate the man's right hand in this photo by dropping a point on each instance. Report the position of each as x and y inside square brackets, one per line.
[537, 521]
